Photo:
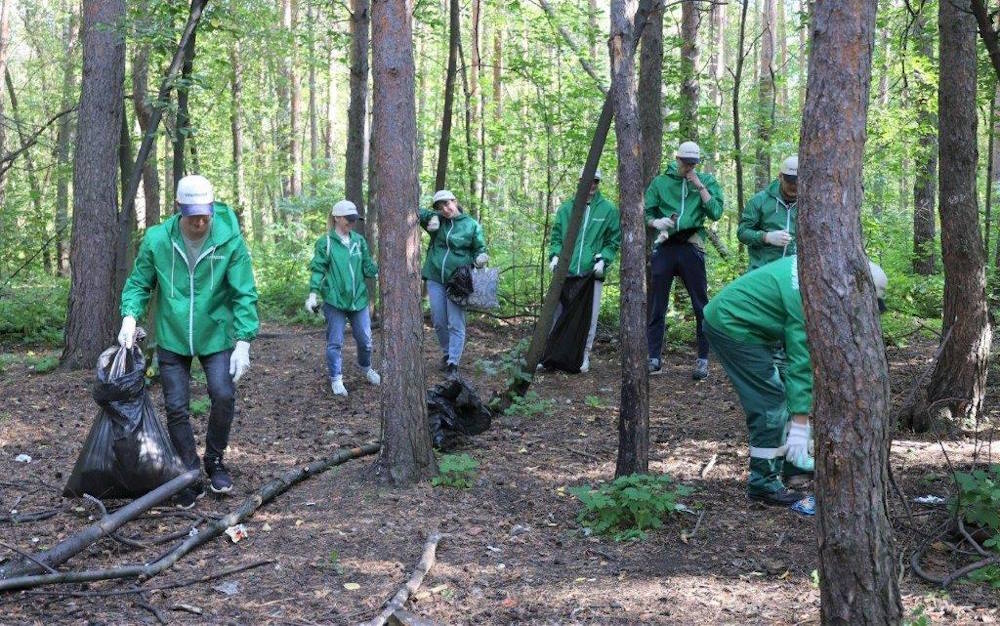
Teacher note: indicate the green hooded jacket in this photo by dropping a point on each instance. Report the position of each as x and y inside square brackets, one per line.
[669, 193]
[198, 312]
[767, 212]
[765, 307]
[456, 243]
[338, 272]
[600, 235]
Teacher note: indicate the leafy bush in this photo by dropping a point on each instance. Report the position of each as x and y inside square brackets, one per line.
[528, 405]
[979, 501]
[45, 364]
[630, 505]
[34, 314]
[509, 364]
[456, 470]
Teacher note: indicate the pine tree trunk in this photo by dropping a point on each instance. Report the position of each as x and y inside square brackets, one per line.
[737, 137]
[851, 389]
[449, 95]
[64, 138]
[406, 456]
[283, 89]
[236, 129]
[925, 180]
[92, 315]
[781, 42]
[690, 20]
[717, 69]
[765, 95]
[331, 99]
[143, 113]
[651, 95]
[295, 144]
[313, 113]
[357, 110]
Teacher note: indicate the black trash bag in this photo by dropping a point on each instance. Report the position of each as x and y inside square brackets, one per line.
[568, 340]
[128, 452]
[459, 287]
[455, 411]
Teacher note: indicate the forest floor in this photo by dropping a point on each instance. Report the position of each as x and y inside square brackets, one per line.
[516, 553]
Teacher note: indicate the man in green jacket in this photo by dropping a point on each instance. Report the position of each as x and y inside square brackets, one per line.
[745, 324]
[767, 226]
[677, 204]
[206, 304]
[596, 248]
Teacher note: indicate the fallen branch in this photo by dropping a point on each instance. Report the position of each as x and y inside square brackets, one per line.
[586, 455]
[399, 600]
[708, 466]
[246, 510]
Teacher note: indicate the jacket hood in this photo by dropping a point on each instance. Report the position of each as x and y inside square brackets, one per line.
[672, 170]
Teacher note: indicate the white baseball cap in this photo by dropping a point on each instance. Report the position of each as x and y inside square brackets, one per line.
[689, 152]
[597, 174]
[879, 278]
[343, 209]
[195, 196]
[442, 195]
[790, 166]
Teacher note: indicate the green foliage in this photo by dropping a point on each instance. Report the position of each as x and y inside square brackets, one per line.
[200, 406]
[508, 364]
[593, 402]
[629, 506]
[456, 470]
[987, 575]
[529, 405]
[979, 501]
[917, 618]
[34, 315]
[45, 364]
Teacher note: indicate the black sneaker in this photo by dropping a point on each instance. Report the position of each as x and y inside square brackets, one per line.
[452, 370]
[654, 366]
[218, 477]
[781, 497]
[188, 497]
[444, 363]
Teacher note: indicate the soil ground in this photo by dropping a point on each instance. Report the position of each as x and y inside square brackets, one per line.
[515, 554]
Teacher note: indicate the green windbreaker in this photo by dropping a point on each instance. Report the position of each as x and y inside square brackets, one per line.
[456, 243]
[765, 307]
[766, 212]
[600, 235]
[338, 272]
[669, 193]
[198, 312]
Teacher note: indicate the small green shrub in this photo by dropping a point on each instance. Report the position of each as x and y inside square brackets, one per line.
[593, 402]
[979, 501]
[200, 406]
[456, 470]
[45, 364]
[509, 364]
[629, 506]
[917, 618]
[34, 314]
[529, 405]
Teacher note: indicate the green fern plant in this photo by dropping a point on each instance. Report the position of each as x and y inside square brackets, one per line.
[629, 506]
[456, 470]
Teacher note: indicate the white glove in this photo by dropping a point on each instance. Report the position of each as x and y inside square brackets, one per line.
[797, 446]
[662, 223]
[311, 303]
[779, 238]
[553, 263]
[482, 259]
[239, 363]
[433, 224]
[126, 336]
[599, 269]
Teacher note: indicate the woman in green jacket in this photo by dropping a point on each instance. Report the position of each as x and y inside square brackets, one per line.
[456, 240]
[341, 262]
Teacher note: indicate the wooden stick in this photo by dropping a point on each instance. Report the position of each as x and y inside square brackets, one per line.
[399, 600]
[708, 466]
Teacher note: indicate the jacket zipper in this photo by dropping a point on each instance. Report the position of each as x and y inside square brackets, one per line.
[191, 288]
[581, 236]
[447, 249]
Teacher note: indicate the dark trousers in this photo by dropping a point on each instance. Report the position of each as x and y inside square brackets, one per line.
[175, 374]
[688, 262]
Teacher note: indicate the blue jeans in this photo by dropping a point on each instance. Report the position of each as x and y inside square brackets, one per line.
[361, 328]
[175, 375]
[449, 322]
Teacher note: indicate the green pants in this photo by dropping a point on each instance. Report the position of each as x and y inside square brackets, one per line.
[755, 377]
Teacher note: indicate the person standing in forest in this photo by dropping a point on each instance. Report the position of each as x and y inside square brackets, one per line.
[596, 248]
[341, 262]
[767, 226]
[677, 204]
[745, 324]
[206, 306]
[456, 240]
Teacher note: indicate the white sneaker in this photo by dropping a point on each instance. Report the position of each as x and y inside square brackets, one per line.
[373, 376]
[585, 366]
[338, 387]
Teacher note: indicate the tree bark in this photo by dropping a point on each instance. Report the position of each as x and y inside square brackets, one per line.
[64, 136]
[651, 95]
[633, 413]
[925, 179]
[851, 390]
[5, 10]
[477, 169]
[406, 454]
[357, 110]
[690, 20]
[236, 130]
[765, 95]
[183, 126]
[717, 69]
[959, 378]
[144, 113]
[313, 113]
[737, 138]
[449, 95]
[92, 313]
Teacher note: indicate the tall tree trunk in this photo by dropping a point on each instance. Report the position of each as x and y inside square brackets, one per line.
[651, 95]
[477, 163]
[633, 413]
[857, 561]
[5, 11]
[925, 180]
[781, 41]
[357, 110]
[717, 69]
[690, 20]
[406, 454]
[183, 127]
[236, 129]
[331, 99]
[313, 113]
[765, 95]
[595, 27]
[737, 138]
[64, 135]
[283, 89]
[295, 145]
[449, 94]
[92, 314]
[803, 56]
[143, 113]
[959, 379]
[994, 176]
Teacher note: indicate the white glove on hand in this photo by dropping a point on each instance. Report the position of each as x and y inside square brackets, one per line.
[662, 223]
[779, 238]
[481, 260]
[126, 336]
[433, 224]
[553, 263]
[599, 269]
[797, 447]
[311, 303]
[239, 363]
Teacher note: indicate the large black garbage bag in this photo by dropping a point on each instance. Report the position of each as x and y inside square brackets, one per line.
[568, 339]
[128, 452]
[455, 411]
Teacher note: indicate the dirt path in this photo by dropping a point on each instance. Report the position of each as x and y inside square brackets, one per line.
[516, 554]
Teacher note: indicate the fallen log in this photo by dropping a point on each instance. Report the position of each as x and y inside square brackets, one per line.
[423, 566]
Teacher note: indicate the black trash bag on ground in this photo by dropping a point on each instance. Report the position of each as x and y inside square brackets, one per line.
[455, 411]
[128, 452]
[568, 339]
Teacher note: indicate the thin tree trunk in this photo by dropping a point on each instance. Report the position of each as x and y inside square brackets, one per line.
[595, 27]
[803, 57]
[144, 113]
[651, 95]
[781, 42]
[295, 145]
[183, 126]
[357, 110]
[313, 113]
[857, 561]
[925, 174]
[717, 69]
[283, 89]
[236, 129]
[449, 94]
[406, 454]
[64, 137]
[5, 11]
[690, 20]
[331, 99]
[737, 139]
[476, 117]
[765, 95]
